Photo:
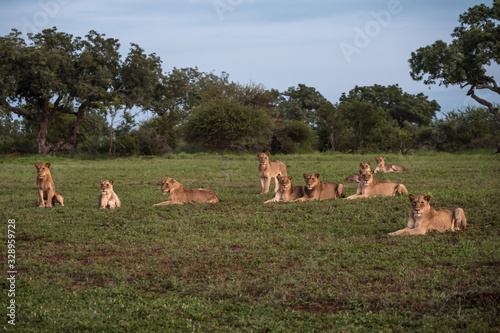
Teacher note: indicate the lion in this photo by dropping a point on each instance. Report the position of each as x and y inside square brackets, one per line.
[369, 187]
[286, 192]
[178, 194]
[314, 189]
[108, 196]
[355, 176]
[47, 195]
[269, 169]
[424, 218]
[382, 167]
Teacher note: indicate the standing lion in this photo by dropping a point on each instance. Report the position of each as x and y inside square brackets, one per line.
[268, 170]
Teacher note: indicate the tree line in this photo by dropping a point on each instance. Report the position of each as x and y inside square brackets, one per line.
[59, 92]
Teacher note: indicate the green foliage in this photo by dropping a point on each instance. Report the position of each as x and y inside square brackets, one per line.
[241, 265]
[466, 60]
[292, 136]
[226, 124]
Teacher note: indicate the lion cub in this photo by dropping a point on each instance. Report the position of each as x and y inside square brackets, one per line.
[47, 195]
[355, 176]
[424, 218]
[108, 196]
[314, 189]
[286, 192]
[369, 187]
[269, 169]
[382, 167]
[178, 194]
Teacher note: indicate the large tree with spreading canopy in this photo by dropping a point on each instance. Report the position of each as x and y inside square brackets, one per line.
[59, 74]
[466, 61]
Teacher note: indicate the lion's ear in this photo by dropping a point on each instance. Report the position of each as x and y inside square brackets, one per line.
[361, 164]
[304, 175]
[111, 182]
[372, 172]
[427, 198]
[47, 165]
[369, 163]
[411, 197]
[317, 175]
[258, 154]
[37, 165]
[102, 181]
[268, 153]
[290, 177]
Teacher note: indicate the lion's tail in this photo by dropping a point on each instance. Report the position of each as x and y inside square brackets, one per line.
[341, 191]
[460, 220]
[58, 198]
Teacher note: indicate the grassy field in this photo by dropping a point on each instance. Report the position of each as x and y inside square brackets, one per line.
[242, 266]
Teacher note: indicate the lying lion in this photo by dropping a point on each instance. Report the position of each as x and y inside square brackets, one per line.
[178, 194]
[424, 218]
[269, 169]
[355, 176]
[369, 187]
[47, 195]
[314, 189]
[382, 167]
[108, 196]
[286, 192]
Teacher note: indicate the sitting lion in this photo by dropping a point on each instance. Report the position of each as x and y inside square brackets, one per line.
[47, 195]
[355, 176]
[382, 167]
[286, 192]
[314, 189]
[369, 187]
[269, 169]
[178, 194]
[108, 196]
[424, 218]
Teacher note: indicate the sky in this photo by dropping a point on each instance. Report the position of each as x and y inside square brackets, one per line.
[331, 45]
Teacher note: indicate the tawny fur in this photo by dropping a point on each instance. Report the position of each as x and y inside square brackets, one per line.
[286, 191]
[47, 195]
[355, 176]
[369, 187]
[314, 189]
[383, 167]
[268, 170]
[108, 196]
[424, 218]
[178, 194]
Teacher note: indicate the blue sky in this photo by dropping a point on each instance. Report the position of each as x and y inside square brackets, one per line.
[330, 45]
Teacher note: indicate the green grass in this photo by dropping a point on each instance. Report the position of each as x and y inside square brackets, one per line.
[242, 266]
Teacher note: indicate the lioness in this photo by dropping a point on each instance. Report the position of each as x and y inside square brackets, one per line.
[355, 176]
[47, 195]
[314, 189]
[424, 218]
[108, 196]
[369, 187]
[382, 167]
[286, 192]
[178, 194]
[269, 169]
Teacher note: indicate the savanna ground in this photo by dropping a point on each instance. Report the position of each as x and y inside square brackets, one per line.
[240, 265]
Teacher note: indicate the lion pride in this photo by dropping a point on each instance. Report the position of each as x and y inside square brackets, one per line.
[47, 195]
[424, 218]
[178, 194]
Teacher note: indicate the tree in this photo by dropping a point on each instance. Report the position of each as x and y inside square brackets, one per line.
[300, 104]
[227, 124]
[59, 76]
[465, 61]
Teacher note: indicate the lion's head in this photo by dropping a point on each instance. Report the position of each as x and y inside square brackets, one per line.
[42, 169]
[106, 186]
[312, 180]
[263, 158]
[285, 182]
[380, 160]
[419, 204]
[366, 177]
[167, 184]
[365, 166]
